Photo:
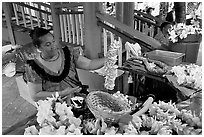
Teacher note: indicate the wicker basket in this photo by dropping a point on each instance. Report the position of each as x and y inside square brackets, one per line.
[105, 105]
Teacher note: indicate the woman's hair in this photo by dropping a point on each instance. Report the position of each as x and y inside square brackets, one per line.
[36, 33]
[164, 24]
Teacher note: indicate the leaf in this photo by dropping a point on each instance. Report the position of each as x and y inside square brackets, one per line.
[196, 104]
[125, 119]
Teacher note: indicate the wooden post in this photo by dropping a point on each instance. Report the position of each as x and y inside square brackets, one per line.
[40, 16]
[55, 20]
[128, 13]
[92, 41]
[119, 16]
[119, 11]
[92, 31]
[180, 11]
[125, 14]
[8, 22]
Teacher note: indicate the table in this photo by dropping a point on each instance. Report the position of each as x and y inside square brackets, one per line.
[137, 72]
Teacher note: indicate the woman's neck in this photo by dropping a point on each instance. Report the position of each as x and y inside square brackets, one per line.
[48, 57]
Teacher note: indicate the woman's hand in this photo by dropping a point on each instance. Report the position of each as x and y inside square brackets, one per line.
[70, 91]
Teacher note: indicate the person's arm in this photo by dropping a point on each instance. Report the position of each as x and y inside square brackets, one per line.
[36, 92]
[87, 64]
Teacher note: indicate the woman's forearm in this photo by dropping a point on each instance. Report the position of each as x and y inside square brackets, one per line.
[42, 95]
[97, 63]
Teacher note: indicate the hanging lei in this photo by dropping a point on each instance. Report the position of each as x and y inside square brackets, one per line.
[110, 65]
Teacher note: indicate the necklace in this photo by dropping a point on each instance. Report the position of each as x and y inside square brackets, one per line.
[52, 59]
[54, 64]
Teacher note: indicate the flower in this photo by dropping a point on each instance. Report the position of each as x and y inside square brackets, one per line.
[45, 112]
[161, 119]
[55, 118]
[181, 31]
[188, 75]
[110, 66]
[32, 130]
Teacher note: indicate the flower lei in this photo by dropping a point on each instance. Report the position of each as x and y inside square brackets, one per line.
[181, 31]
[162, 119]
[55, 118]
[110, 66]
[188, 75]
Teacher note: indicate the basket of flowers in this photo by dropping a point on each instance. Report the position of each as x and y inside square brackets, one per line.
[107, 106]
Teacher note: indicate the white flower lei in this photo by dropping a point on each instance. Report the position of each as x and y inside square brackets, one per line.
[110, 66]
[188, 75]
[181, 31]
[48, 111]
[162, 119]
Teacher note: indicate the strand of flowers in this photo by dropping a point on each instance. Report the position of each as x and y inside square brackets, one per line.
[122, 97]
[181, 31]
[163, 119]
[110, 65]
[181, 121]
[54, 118]
[189, 75]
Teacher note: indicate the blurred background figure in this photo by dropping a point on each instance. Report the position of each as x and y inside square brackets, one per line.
[163, 35]
[161, 18]
[171, 16]
[149, 11]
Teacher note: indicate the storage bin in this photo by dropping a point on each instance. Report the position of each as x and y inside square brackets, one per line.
[170, 58]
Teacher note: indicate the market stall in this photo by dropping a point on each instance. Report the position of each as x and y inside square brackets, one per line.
[101, 113]
[108, 114]
[184, 78]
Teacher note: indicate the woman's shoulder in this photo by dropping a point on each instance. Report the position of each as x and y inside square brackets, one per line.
[66, 46]
[74, 51]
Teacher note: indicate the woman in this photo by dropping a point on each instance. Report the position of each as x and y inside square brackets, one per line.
[163, 35]
[53, 69]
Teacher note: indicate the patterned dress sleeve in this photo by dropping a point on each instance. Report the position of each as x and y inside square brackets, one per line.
[31, 75]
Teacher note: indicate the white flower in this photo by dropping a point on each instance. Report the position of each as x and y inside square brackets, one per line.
[75, 121]
[165, 130]
[110, 67]
[47, 130]
[183, 34]
[73, 130]
[63, 110]
[189, 75]
[181, 31]
[133, 49]
[156, 126]
[60, 130]
[31, 130]
[111, 131]
[45, 112]
[144, 133]
[130, 130]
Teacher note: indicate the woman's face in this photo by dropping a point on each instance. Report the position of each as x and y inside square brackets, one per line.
[48, 45]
